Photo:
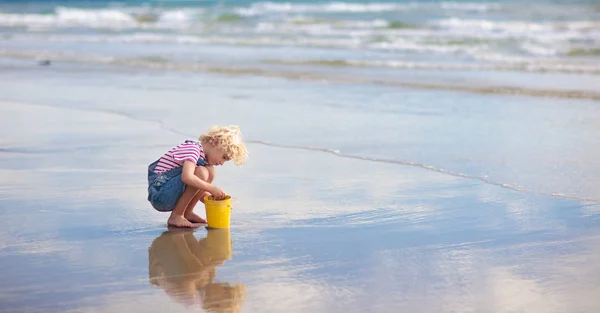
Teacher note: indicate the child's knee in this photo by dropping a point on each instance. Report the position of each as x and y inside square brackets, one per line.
[202, 173]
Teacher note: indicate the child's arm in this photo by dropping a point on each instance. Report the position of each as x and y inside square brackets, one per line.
[189, 178]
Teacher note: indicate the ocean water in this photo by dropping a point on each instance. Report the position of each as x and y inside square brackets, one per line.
[504, 36]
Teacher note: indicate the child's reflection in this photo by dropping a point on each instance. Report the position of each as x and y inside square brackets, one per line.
[185, 268]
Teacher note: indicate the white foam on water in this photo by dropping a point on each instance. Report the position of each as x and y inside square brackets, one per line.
[402, 44]
[164, 64]
[92, 17]
[474, 36]
[517, 27]
[537, 49]
[541, 58]
[180, 15]
[138, 37]
[126, 16]
[355, 7]
[261, 8]
[120, 18]
[8, 19]
[299, 21]
[320, 29]
[376, 23]
[465, 6]
[530, 66]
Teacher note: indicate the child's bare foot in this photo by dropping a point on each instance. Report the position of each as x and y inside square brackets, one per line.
[179, 221]
[194, 218]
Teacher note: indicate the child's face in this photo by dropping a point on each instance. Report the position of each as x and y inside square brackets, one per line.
[215, 155]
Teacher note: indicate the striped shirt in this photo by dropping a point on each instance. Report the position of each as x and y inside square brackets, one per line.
[189, 150]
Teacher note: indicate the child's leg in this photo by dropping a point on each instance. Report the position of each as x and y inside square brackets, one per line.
[211, 177]
[189, 210]
[179, 214]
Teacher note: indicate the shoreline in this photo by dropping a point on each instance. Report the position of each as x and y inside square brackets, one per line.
[474, 85]
[426, 167]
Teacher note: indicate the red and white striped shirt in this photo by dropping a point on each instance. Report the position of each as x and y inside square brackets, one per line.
[189, 150]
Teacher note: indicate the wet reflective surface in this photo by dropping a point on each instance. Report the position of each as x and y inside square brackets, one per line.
[186, 268]
[311, 231]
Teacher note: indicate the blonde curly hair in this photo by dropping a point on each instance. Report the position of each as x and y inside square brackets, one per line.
[229, 139]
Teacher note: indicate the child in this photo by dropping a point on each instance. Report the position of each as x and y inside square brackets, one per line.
[184, 175]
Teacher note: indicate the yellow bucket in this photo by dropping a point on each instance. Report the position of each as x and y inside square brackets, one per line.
[218, 212]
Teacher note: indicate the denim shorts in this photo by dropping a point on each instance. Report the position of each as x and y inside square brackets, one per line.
[165, 189]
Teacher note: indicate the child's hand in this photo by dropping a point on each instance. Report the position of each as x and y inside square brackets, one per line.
[218, 193]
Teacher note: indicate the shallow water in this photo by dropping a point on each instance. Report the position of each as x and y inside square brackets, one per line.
[311, 231]
[509, 141]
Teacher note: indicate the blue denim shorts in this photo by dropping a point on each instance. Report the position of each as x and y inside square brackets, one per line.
[165, 189]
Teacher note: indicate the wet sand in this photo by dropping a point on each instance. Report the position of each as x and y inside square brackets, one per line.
[311, 231]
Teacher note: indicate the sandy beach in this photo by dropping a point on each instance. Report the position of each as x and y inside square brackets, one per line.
[311, 230]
